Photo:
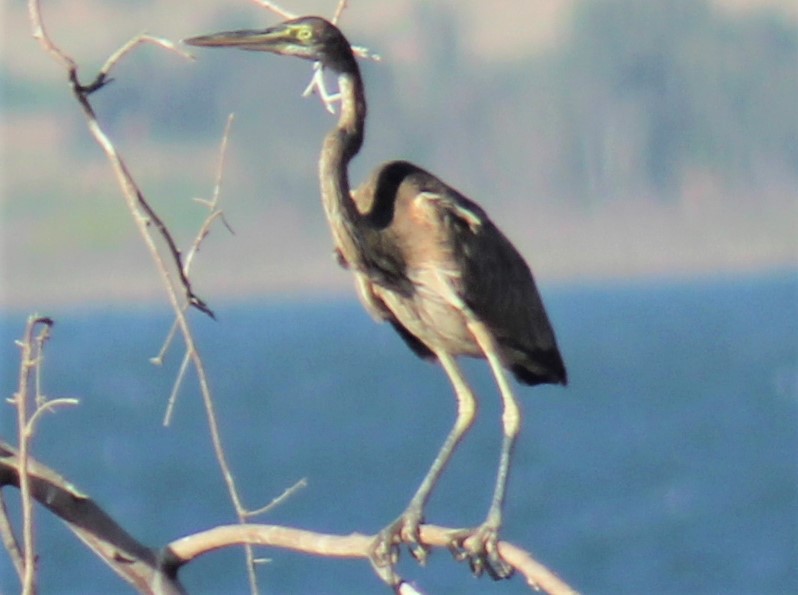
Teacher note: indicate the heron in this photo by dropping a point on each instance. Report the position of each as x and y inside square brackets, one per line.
[430, 262]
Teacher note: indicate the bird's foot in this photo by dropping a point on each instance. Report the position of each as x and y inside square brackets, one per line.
[480, 546]
[385, 549]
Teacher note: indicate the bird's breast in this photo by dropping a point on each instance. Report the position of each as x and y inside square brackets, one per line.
[430, 311]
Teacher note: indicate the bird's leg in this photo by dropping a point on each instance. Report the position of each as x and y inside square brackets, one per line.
[480, 545]
[405, 529]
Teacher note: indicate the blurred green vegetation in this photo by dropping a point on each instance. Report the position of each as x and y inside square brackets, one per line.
[636, 96]
[687, 86]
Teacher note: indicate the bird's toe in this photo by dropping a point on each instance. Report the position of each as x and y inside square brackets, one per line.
[480, 547]
[404, 530]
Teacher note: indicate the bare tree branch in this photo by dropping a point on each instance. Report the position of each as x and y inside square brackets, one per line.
[212, 204]
[355, 545]
[278, 10]
[203, 232]
[301, 484]
[144, 216]
[136, 563]
[31, 348]
[339, 10]
[10, 540]
[153, 571]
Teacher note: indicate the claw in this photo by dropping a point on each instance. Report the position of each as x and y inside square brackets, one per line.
[385, 550]
[404, 530]
[410, 535]
[480, 546]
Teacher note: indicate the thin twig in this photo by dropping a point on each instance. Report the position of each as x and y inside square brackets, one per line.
[212, 204]
[39, 398]
[31, 405]
[301, 484]
[31, 353]
[172, 401]
[201, 235]
[339, 10]
[137, 40]
[279, 11]
[317, 84]
[40, 34]
[158, 359]
[48, 407]
[102, 77]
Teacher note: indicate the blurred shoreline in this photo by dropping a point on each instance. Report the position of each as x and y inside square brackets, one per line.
[140, 288]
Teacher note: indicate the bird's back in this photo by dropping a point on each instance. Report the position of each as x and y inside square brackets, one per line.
[427, 231]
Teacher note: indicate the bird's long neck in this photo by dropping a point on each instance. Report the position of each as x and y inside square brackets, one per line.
[340, 145]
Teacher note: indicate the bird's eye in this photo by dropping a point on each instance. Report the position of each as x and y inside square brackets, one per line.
[304, 34]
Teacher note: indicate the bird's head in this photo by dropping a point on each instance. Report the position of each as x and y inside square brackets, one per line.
[311, 38]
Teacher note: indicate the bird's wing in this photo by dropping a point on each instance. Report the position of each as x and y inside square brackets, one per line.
[495, 282]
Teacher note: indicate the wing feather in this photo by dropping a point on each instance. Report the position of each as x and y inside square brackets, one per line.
[498, 286]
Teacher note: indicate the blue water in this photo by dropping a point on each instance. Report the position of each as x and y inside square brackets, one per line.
[667, 466]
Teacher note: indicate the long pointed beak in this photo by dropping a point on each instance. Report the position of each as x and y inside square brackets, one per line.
[266, 40]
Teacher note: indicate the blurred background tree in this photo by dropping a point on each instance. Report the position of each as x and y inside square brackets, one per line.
[614, 137]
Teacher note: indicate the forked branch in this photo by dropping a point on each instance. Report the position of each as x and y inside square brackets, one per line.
[146, 218]
[145, 215]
